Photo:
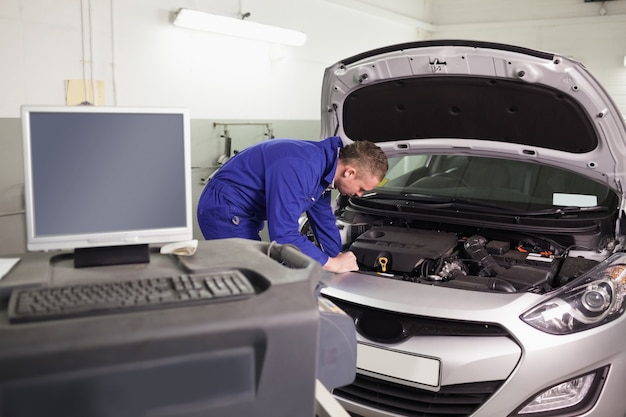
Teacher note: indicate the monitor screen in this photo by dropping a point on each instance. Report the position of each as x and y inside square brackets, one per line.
[106, 176]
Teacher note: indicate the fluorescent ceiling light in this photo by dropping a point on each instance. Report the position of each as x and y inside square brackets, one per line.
[193, 19]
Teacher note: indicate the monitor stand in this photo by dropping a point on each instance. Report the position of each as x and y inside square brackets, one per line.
[111, 255]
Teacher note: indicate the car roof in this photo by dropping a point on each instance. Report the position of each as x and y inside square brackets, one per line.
[477, 98]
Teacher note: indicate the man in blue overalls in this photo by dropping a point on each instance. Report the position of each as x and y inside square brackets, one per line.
[278, 180]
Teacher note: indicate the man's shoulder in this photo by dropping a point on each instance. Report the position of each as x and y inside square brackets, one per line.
[334, 141]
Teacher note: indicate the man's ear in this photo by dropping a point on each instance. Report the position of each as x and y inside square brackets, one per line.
[349, 172]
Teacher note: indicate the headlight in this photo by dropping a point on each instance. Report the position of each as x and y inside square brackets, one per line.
[572, 397]
[594, 299]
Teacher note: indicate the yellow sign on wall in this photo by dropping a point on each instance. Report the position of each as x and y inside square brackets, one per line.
[75, 92]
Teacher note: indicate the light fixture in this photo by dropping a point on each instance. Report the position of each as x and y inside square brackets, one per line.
[193, 19]
[625, 60]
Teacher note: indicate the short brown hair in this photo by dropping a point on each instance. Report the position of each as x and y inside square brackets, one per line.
[367, 156]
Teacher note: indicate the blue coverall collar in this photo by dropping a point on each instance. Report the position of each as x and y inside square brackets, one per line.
[336, 145]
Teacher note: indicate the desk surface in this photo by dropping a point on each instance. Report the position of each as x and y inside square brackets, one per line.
[56, 268]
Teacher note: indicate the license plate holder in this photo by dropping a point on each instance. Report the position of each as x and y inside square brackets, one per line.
[400, 365]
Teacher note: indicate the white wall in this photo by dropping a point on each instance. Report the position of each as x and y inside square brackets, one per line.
[145, 60]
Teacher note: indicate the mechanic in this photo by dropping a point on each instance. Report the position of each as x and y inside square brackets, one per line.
[278, 180]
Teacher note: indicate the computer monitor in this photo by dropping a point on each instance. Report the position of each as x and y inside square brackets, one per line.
[106, 181]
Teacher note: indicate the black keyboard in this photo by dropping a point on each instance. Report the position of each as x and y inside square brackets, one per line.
[86, 299]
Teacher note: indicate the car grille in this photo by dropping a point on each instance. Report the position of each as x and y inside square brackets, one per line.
[391, 327]
[450, 401]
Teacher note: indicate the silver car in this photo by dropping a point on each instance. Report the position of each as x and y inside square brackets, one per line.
[492, 262]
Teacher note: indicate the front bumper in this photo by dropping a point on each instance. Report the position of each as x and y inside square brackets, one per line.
[479, 375]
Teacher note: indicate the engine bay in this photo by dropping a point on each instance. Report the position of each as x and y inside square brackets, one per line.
[478, 260]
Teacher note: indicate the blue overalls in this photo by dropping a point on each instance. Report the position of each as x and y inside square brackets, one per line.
[275, 180]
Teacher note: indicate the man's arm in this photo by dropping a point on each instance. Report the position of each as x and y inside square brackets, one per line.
[324, 225]
[287, 196]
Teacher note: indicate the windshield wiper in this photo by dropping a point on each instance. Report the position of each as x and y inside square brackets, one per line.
[492, 207]
[569, 210]
[401, 195]
[504, 209]
[443, 202]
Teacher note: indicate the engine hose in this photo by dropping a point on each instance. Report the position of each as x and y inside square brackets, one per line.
[475, 248]
[482, 283]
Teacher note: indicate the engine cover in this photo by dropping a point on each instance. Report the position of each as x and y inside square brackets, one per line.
[399, 249]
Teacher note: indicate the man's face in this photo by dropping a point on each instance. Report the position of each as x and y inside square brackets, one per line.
[351, 184]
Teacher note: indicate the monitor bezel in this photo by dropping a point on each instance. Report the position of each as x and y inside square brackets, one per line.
[103, 239]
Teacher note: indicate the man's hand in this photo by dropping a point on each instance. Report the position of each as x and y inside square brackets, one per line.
[344, 262]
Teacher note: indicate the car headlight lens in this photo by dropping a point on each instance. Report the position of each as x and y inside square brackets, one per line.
[561, 396]
[594, 299]
[573, 397]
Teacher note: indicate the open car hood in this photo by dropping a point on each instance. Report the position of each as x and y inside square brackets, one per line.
[477, 98]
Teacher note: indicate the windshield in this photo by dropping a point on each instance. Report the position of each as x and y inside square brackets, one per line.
[516, 184]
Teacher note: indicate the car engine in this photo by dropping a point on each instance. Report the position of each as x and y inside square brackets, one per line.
[469, 261]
